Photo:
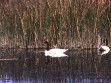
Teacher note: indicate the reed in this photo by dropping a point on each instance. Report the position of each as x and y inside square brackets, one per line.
[68, 23]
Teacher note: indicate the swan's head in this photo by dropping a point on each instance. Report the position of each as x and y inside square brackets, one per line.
[46, 43]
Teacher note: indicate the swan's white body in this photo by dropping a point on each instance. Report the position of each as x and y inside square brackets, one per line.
[56, 52]
[106, 49]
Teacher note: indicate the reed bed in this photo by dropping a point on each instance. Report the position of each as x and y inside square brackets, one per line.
[67, 23]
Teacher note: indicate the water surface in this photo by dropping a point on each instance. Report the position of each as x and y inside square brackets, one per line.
[82, 66]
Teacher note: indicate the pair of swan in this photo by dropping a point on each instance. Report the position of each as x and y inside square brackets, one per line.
[55, 52]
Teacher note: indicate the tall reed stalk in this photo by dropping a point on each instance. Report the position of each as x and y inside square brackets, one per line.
[67, 23]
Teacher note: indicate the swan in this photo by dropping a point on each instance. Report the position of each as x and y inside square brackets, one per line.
[54, 52]
[104, 49]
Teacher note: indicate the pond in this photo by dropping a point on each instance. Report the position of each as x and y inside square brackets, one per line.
[82, 66]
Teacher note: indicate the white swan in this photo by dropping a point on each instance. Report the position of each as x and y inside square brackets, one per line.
[55, 52]
[104, 50]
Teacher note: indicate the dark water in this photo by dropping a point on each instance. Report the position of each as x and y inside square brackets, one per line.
[80, 67]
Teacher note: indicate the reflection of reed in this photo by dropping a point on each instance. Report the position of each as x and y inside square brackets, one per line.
[78, 64]
[9, 59]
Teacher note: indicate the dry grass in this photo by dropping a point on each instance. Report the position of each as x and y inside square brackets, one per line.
[69, 23]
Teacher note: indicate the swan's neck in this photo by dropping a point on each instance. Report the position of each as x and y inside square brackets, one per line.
[106, 42]
[47, 46]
